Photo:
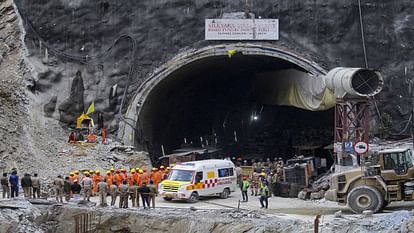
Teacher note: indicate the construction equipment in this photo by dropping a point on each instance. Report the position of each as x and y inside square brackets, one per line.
[387, 176]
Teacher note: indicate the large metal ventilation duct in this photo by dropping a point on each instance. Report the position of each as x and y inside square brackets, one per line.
[359, 82]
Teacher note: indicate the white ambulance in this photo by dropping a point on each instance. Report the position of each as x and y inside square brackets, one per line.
[190, 180]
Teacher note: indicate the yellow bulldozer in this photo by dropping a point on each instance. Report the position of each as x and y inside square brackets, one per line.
[387, 176]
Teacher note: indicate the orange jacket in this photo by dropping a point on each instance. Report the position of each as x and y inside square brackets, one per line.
[96, 180]
[109, 180]
[158, 178]
[118, 178]
[144, 178]
[154, 175]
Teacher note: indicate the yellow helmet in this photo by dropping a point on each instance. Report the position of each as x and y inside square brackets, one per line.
[154, 168]
[71, 173]
[161, 167]
[108, 172]
[77, 172]
[168, 168]
[97, 171]
[137, 169]
[86, 173]
[90, 171]
[133, 170]
[263, 174]
[141, 171]
[123, 170]
[112, 169]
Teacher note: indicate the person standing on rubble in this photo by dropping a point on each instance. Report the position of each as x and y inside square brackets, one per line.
[36, 185]
[144, 191]
[123, 194]
[67, 188]
[264, 194]
[133, 194]
[238, 174]
[254, 183]
[244, 186]
[153, 192]
[58, 183]
[27, 185]
[113, 191]
[76, 190]
[5, 185]
[102, 189]
[87, 187]
[14, 184]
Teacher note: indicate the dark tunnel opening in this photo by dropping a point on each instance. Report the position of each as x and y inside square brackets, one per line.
[214, 103]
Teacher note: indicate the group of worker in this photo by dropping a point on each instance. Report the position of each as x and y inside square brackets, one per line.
[264, 175]
[30, 184]
[126, 185]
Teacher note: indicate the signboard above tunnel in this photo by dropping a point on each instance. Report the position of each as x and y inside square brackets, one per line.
[242, 29]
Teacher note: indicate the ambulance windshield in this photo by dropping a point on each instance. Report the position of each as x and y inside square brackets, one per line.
[181, 175]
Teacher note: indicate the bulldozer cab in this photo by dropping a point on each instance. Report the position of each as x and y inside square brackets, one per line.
[396, 164]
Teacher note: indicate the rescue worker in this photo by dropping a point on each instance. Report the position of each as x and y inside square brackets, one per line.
[118, 177]
[123, 194]
[264, 195]
[134, 176]
[76, 190]
[133, 189]
[76, 176]
[158, 178]
[144, 191]
[14, 184]
[36, 185]
[124, 174]
[96, 179]
[254, 188]
[153, 174]
[27, 185]
[108, 178]
[71, 177]
[87, 187]
[5, 185]
[58, 183]
[238, 174]
[244, 186]
[67, 188]
[102, 189]
[144, 176]
[167, 172]
[162, 173]
[153, 192]
[113, 191]
[140, 177]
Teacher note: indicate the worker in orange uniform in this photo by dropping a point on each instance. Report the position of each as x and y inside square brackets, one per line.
[141, 177]
[109, 178]
[167, 172]
[118, 177]
[76, 176]
[131, 177]
[145, 176]
[124, 174]
[154, 174]
[158, 178]
[96, 179]
[71, 177]
[162, 171]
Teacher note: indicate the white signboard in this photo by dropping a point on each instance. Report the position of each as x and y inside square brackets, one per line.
[361, 147]
[242, 29]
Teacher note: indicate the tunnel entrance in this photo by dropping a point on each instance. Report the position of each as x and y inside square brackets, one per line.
[230, 103]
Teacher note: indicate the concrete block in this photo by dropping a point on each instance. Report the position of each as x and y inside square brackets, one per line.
[367, 213]
[338, 214]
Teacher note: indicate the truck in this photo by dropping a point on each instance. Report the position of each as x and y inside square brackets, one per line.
[386, 176]
[191, 180]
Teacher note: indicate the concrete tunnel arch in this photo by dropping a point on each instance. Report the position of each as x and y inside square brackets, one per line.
[132, 130]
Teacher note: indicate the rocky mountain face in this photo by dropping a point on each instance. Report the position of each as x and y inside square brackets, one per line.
[100, 50]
